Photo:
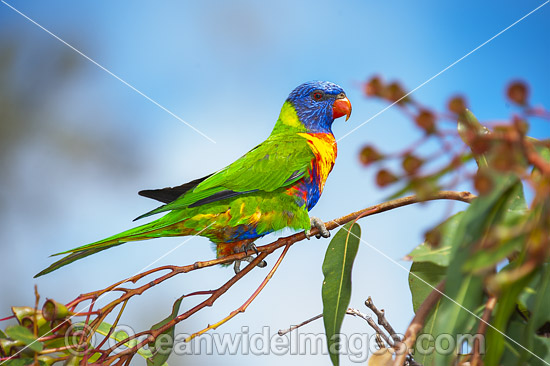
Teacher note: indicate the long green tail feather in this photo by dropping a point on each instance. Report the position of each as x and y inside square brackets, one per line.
[71, 258]
[119, 238]
[142, 232]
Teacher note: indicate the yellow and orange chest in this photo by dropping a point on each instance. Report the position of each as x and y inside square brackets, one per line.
[323, 146]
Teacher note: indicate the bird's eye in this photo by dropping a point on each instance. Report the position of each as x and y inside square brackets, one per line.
[318, 95]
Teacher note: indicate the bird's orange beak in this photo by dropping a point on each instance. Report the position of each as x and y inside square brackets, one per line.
[341, 107]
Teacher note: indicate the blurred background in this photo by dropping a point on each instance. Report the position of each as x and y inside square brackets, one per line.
[76, 144]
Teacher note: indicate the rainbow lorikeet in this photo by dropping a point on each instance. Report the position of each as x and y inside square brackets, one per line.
[271, 187]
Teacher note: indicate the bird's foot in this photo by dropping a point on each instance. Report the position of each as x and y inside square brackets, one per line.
[248, 258]
[320, 225]
[237, 263]
[249, 246]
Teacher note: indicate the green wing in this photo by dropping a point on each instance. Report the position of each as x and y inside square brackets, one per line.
[277, 162]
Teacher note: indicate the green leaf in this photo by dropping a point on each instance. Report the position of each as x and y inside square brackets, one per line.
[93, 358]
[421, 276]
[427, 271]
[2, 335]
[19, 362]
[427, 358]
[55, 343]
[503, 311]
[336, 289]
[490, 257]
[538, 304]
[20, 333]
[420, 273]
[466, 289]
[516, 215]
[536, 296]
[513, 353]
[161, 352]
[425, 253]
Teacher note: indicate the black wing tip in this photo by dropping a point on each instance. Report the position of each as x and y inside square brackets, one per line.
[170, 194]
[164, 195]
[146, 192]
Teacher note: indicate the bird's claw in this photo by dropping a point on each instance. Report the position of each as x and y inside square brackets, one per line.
[250, 246]
[320, 225]
[248, 258]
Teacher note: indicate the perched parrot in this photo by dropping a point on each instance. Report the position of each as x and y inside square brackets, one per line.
[271, 187]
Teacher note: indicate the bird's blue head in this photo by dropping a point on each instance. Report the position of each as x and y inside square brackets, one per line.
[318, 103]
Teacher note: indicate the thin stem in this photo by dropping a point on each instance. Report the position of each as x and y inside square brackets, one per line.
[381, 315]
[243, 307]
[282, 332]
[372, 324]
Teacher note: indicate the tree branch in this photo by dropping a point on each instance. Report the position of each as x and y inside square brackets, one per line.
[264, 251]
[381, 315]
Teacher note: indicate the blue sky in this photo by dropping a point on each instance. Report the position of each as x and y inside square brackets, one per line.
[226, 68]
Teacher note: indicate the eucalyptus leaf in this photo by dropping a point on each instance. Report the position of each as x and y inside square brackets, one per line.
[495, 334]
[488, 258]
[161, 350]
[423, 277]
[466, 289]
[515, 214]
[22, 334]
[336, 289]
[538, 303]
[21, 362]
[537, 355]
[425, 253]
